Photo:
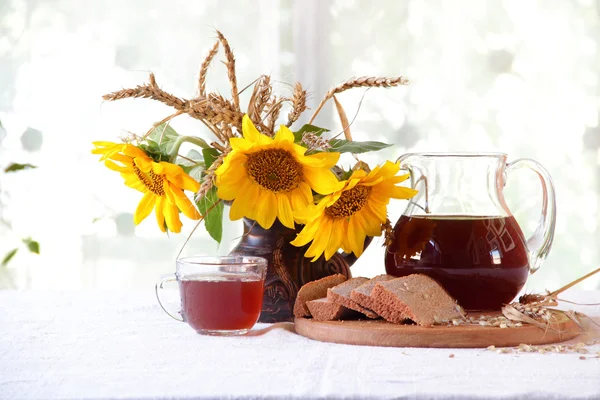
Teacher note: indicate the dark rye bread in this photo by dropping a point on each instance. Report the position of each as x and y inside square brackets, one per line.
[416, 297]
[325, 310]
[340, 294]
[314, 290]
[362, 294]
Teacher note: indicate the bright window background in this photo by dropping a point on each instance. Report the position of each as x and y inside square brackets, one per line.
[510, 76]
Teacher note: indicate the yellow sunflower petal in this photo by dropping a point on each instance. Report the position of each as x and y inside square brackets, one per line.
[144, 208]
[321, 160]
[369, 222]
[266, 209]
[378, 210]
[184, 204]
[133, 181]
[307, 233]
[240, 144]
[371, 182]
[252, 134]
[115, 167]
[399, 178]
[399, 192]
[134, 151]
[335, 239]
[298, 201]
[345, 242]
[284, 135]
[322, 180]
[356, 236]
[243, 205]
[320, 241]
[284, 210]
[160, 216]
[172, 217]
[144, 164]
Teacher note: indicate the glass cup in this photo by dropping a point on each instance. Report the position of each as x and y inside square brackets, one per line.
[219, 295]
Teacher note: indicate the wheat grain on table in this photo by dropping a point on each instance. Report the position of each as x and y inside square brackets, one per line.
[104, 345]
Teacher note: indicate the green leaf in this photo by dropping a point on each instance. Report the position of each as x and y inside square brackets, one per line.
[153, 150]
[32, 245]
[8, 256]
[210, 155]
[18, 167]
[192, 158]
[211, 207]
[196, 172]
[346, 146]
[165, 137]
[306, 129]
[193, 164]
[162, 134]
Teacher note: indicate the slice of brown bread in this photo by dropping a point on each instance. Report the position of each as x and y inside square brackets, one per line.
[325, 310]
[362, 294]
[340, 294]
[314, 290]
[416, 297]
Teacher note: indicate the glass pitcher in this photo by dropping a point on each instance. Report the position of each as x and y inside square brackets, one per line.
[459, 231]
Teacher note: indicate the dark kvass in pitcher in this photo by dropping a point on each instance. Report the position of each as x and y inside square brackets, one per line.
[480, 260]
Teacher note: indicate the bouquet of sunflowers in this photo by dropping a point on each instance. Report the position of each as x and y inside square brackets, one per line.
[262, 172]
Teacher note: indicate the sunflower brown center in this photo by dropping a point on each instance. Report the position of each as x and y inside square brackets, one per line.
[350, 202]
[153, 182]
[274, 169]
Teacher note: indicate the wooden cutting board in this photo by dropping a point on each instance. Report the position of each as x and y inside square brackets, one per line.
[382, 333]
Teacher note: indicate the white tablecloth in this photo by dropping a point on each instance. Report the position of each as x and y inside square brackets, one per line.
[58, 345]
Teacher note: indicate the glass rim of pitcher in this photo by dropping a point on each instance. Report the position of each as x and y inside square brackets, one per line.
[212, 260]
[459, 154]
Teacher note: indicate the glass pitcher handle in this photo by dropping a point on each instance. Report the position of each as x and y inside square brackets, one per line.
[539, 244]
[159, 285]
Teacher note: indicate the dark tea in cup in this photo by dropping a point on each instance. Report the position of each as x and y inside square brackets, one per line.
[230, 303]
[219, 295]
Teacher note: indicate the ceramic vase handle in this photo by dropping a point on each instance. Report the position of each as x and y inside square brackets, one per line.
[159, 285]
[538, 245]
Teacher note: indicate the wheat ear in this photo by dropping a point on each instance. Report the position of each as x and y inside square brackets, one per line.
[209, 178]
[149, 91]
[298, 104]
[365, 81]
[230, 63]
[204, 68]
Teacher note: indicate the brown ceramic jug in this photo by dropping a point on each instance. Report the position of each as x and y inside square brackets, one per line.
[288, 269]
[459, 230]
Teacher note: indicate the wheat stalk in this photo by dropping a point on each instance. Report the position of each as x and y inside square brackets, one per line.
[253, 102]
[298, 104]
[209, 179]
[263, 94]
[204, 68]
[273, 113]
[230, 63]
[149, 91]
[365, 81]
[218, 110]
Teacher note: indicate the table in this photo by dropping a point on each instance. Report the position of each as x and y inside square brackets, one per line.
[100, 345]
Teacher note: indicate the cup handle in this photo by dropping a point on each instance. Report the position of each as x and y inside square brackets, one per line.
[159, 285]
[539, 244]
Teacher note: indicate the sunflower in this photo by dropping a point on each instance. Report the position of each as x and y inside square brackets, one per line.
[343, 219]
[161, 182]
[270, 178]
